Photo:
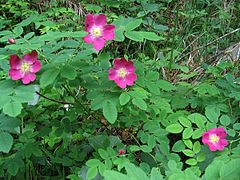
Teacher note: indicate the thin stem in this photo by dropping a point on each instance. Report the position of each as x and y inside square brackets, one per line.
[54, 100]
[209, 43]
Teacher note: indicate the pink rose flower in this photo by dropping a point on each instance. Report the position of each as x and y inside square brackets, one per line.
[98, 31]
[215, 139]
[123, 73]
[121, 151]
[24, 68]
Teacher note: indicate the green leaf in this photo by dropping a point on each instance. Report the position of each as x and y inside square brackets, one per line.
[48, 77]
[6, 142]
[92, 172]
[8, 123]
[155, 174]
[152, 36]
[178, 146]
[68, 72]
[165, 85]
[230, 170]
[134, 35]
[188, 143]
[110, 111]
[133, 24]
[145, 148]
[135, 172]
[113, 175]
[140, 103]
[191, 161]
[212, 113]
[12, 108]
[93, 163]
[236, 126]
[4, 100]
[185, 122]
[174, 128]
[103, 153]
[124, 98]
[196, 147]
[197, 133]
[225, 120]
[187, 133]
[188, 152]
[201, 157]
[24, 93]
[18, 30]
[153, 88]
[198, 119]
[212, 171]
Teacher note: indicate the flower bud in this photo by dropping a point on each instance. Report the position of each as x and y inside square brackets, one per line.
[11, 41]
[121, 151]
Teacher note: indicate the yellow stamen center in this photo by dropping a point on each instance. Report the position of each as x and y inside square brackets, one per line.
[214, 138]
[122, 72]
[25, 67]
[96, 32]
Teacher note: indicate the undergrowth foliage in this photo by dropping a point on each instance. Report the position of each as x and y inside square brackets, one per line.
[119, 90]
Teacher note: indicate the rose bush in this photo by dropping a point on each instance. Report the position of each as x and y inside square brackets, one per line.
[119, 90]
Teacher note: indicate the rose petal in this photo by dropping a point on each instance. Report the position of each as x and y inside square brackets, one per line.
[108, 32]
[88, 39]
[15, 74]
[15, 62]
[112, 74]
[28, 77]
[121, 82]
[31, 57]
[119, 63]
[36, 66]
[100, 20]
[130, 79]
[99, 43]
[89, 22]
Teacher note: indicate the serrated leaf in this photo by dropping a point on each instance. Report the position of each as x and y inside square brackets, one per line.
[178, 146]
[152, 36]
[188, 152]
[225, 120]
[191, 161]
[212, 113]
[124, 98]
[103, 153]
[185, 122]
[133, 24]
[174, 128]
[48, 77]
[68, 72]
[93, 162]
[140, 103]
[110, 111]
[113, 175]
[165, 85]
[6, 142]
[18, 30]
[187, 133]
[92, 172]
[12, 108]
[196, 147]
[134, 35]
